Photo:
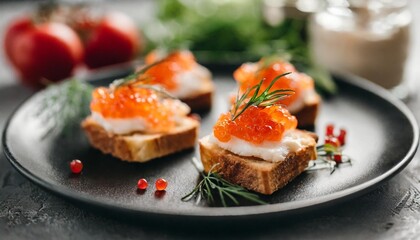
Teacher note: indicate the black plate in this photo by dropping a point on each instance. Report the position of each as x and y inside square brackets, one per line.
[382, 139]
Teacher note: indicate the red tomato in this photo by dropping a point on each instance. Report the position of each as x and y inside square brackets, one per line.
[48, 50]
[18, 26]
[115, 40]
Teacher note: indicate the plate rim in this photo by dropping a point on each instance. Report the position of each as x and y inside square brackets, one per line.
[242, 211]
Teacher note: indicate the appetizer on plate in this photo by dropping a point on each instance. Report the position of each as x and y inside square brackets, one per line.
[256, 144]
[304, 103]
[137, 122]
[180, 74]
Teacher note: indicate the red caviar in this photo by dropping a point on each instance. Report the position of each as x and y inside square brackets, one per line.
[142, 184]
[130, 101]
[76, 166]
[164, 72]
[338, 158]
[255, 124]
[161, 184]
[249, 75]
[342, 136]
[329, 130]
[333, 139]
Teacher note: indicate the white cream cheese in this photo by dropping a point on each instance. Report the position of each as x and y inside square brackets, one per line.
[190, 82]
[139, 124]
[305, 96]
[120, 125]
[268, 150]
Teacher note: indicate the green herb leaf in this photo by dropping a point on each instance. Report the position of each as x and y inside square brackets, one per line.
[239, 37]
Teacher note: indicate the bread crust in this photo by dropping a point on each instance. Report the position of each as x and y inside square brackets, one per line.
[140, 147]
[201, 101]
[307, 115]
[255, 173]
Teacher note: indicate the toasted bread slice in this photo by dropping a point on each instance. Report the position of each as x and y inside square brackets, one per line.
[306, 116]
[141, 147]
[255, 173]
[201, 100]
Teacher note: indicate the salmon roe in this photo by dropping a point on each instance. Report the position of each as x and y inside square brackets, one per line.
[76, 166]
[142, 184]
[250, 74]
[164, 72]
[161, 184]
[130, 102]
[255, 125]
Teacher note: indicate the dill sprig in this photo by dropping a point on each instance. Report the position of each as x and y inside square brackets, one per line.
[134, 77]
[140, 80]
[213, 187]
[329, 157]
[264, 99]
[157, 89]
[64, 105]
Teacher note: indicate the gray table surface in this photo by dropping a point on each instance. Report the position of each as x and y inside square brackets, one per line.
[392, 211]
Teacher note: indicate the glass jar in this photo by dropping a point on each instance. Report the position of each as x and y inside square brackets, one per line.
[368, 38]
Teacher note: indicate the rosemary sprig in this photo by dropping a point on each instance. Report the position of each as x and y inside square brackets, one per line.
[64, 105]
[264, 99]
[213, 187]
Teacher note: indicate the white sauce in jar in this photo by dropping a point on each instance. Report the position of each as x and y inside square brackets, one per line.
[369, 42]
